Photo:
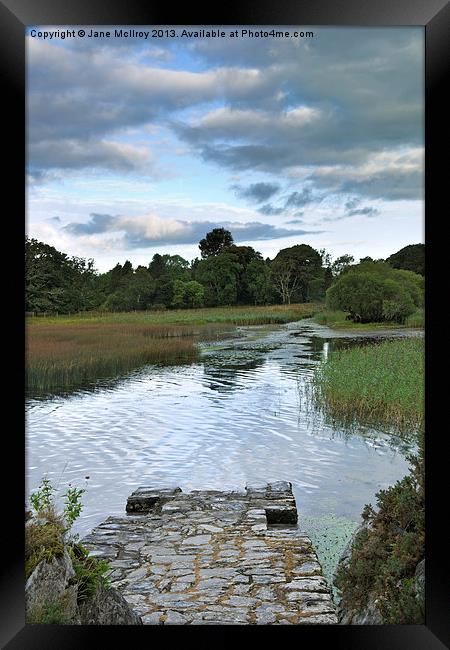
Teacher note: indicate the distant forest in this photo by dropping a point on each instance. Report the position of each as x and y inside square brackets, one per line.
[225, 274]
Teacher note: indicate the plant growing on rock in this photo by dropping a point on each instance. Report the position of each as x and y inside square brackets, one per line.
[387, 551]
[46, 540]
[42, 502]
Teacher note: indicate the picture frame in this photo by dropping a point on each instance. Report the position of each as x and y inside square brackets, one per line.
[15, 15]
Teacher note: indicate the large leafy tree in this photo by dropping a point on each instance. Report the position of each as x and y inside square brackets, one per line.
[219, 274]
[188, 294]
[293, 271]
[409, 258]
[244, 255]
[54, 281]
[215, 242]
[259, 282]
[165, 269]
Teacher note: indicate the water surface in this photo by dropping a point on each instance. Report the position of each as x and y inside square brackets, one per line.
[239, 415]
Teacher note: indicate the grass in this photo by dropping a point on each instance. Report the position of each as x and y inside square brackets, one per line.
[245, 315]
[416, 320]
[45, 539]
[380, 384]
[68, 351]
[61, 356]
[338, 320]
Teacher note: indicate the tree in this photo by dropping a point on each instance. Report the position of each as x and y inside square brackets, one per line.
[409, 258]
[215, 241]
[219, 275]
[293, 270]
[188, 294]
[341, 263]
[285, 278]
[54, 281]
[244, 256]
[374, 291]
[165, 269]
[259, 282]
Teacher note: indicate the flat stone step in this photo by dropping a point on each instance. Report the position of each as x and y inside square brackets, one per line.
[210, 557]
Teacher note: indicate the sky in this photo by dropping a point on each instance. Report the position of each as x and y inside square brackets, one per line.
[137, 146]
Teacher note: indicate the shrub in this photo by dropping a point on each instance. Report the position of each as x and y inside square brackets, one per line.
[361, 294]
[386, 553]
[374, 291]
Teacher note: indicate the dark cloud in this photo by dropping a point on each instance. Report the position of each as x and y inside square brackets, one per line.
[367, 212]
[270, 210]
[295, 221]
[299, 199]
[98, 223]
[352, 203]
[256, 192]
[142, 232]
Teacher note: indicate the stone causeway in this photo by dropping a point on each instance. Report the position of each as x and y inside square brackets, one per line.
[214, 558]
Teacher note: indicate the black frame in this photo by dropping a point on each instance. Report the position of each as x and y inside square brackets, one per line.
[433, 15]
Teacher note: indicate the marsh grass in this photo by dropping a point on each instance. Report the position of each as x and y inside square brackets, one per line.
[416, 320]
[64, 355]
[380, 385]
[338, 320]
[66, 352]
[245, 315]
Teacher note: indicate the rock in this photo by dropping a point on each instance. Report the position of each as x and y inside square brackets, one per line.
[145, 499]
[108, 607]
[370, 615]
[281, 515]
[51, 596]
[48, 585]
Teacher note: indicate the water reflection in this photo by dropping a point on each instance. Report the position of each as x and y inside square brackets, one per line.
[239, 415]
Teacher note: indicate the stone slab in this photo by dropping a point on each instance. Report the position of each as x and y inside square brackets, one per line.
[215, 557]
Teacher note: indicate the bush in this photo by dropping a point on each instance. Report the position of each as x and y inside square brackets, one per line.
[375, 292]
[361, 294]
[386, 553]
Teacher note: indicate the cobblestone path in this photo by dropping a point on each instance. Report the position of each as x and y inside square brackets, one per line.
[215, 558]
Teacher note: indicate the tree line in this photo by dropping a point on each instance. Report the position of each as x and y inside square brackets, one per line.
[225, 274]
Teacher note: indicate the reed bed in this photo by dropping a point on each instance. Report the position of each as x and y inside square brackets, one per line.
[245, 315]
[68, 351]
[61, 356]
[380, 385]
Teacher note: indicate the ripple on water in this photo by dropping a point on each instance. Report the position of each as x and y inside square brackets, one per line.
[237, 417]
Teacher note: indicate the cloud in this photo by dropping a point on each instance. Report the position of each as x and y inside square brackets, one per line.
[256, 192]
[88, 95]
[78, 154]
[367, 212]
[269, 210]
[98, 223]
[344, 109]
[151, 230]
[391, 175]
[299, 199]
